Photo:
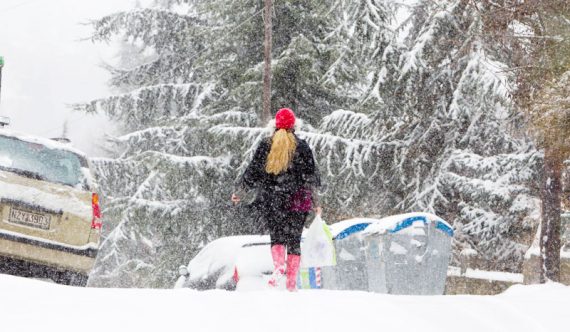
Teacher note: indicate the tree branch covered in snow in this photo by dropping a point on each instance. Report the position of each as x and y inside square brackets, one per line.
[407, 108]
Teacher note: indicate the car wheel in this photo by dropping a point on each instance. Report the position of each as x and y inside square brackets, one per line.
[69, 278]
[76, 279]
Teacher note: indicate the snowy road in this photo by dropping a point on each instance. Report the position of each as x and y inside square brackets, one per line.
[32, 305]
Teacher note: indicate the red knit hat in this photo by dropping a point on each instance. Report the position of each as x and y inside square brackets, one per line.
[284, 119]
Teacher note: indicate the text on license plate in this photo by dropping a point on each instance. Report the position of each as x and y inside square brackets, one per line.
[29, 219]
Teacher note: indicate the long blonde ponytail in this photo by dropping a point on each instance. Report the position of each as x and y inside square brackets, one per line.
[283, 146]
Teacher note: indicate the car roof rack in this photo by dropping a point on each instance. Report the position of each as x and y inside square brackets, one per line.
[64, 140]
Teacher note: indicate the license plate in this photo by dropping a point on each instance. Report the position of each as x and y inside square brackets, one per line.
[31, 219]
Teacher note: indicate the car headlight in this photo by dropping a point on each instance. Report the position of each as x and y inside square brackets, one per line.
[183, 271]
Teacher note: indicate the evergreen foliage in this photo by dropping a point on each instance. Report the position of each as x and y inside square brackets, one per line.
[404, 115]
[440, 142]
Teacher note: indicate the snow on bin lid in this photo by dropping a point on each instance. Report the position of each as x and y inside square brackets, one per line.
[391, 224]
[397, 223]
[344, 228]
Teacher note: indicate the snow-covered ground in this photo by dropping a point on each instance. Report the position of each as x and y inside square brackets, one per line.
[32, 305]
[486, 275]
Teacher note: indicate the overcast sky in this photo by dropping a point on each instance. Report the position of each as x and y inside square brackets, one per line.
[47, 67]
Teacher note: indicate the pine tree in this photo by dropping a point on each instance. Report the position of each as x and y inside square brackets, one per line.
[441, 141]
[403, 116]
[194, 84]
[535, 34]
[165, 187]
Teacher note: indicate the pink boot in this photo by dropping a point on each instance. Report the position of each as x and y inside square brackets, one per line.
[292, 269]
[278, 254]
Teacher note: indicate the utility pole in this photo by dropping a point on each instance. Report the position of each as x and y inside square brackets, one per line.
[1, 65]
[4, 121]
[266, 113]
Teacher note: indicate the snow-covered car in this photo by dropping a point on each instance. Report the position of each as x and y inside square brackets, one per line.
[50, 218]
[237, 263]
[234, 262]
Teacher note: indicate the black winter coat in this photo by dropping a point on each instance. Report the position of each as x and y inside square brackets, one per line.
[274, 191]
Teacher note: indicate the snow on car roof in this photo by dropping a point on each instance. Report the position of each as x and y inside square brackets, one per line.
[220, 255]
[49, 143]
[392, 224]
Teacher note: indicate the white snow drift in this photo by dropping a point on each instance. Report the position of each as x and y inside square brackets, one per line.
[31, 305]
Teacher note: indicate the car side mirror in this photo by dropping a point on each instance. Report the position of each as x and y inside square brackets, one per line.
[4, 121]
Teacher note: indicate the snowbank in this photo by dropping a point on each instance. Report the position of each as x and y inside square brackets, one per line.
[31, 305]
[486, 275]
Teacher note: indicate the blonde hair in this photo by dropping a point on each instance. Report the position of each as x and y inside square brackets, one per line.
[283, 145]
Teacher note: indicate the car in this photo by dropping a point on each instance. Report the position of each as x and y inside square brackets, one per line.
[241, 263]
[230, 263]
[50, 217]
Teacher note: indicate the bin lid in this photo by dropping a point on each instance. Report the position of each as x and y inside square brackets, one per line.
[391, 224]
[345, 228]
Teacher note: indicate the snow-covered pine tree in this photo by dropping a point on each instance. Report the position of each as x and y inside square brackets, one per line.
[351, 58]
[301, 56]
[165, 189]
[441, 142]
[478, 173]
[421, 123]
[360, 35]
[195, 83]
[538, 37]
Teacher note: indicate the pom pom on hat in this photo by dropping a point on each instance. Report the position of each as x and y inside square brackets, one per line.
[284, 119]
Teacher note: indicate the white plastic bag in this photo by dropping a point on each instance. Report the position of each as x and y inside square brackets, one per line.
[317, 249]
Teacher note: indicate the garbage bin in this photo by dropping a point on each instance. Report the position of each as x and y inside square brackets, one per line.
[402, 254]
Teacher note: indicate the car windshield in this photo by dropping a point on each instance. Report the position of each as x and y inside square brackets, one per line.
[40, 162]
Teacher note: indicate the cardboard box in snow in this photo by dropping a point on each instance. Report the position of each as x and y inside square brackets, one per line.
[401, 254]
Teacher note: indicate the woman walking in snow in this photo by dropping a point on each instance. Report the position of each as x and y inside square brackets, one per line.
[284, 173]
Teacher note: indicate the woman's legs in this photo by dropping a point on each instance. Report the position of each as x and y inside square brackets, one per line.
[285, 230]
[294, 226]
[278, 248]
[293, 262]
[278, 255]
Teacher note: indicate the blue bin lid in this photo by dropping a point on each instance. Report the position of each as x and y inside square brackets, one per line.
[391, 224]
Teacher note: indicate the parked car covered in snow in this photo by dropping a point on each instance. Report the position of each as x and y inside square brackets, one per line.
[237, 263]
[228, 262]
[50, 218]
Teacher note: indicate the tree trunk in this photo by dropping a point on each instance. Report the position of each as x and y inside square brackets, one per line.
[266, 113]
[551, 190]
